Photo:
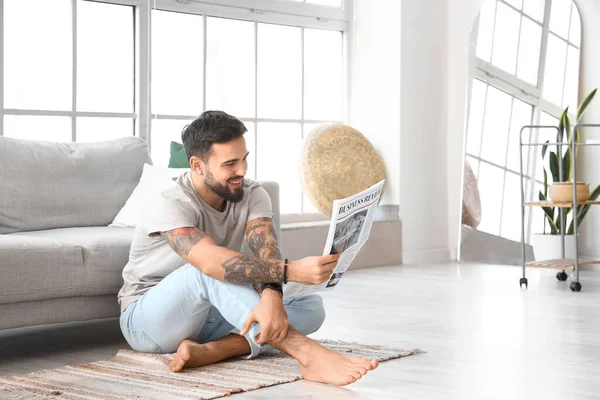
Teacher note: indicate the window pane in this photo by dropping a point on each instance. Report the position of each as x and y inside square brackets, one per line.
[538, 220]
[279, 71]
[90, 129]
[164, 131]
[33, 127]
[477, 107]
[250, 137]
[511, 213]
[529, 51]
[490, 190]
[474, 163]
[38, 54]
[323, 75]
[281, 166]
[310, 126]
[506, 38]
[230, 66]
[495, 126]
[559, 17]
[547, 119]
[571, 79]
[177, 63]
[544, 135]
[331, 3]
[486, 30]
[575, 35]
[105, 62]
[555, 70]
[535, 9]
[515, 3]
[307, 206]
[521, 115]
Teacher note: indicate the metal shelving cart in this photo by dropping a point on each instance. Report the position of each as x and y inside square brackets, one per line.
[564, 264]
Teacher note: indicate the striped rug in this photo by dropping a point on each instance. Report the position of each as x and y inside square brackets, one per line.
[132, 375]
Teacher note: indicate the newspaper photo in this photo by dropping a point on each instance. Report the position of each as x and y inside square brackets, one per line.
[351, 221]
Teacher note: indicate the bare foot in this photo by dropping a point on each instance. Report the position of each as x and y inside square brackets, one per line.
[327, 366]
[191, 354]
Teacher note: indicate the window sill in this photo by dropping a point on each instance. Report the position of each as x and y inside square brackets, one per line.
[300, 225]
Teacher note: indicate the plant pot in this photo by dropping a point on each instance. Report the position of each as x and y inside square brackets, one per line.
[548, 247]
[562, 192]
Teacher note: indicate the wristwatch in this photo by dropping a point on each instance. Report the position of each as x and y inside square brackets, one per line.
[274, 286]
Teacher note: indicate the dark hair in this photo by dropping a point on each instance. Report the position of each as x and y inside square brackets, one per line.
[210, 127]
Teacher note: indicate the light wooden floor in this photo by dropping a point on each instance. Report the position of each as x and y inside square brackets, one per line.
[484, 336]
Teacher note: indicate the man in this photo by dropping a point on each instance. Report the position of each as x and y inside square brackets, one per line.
[189, 290]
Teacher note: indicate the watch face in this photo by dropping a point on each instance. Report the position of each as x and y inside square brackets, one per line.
[274, 286]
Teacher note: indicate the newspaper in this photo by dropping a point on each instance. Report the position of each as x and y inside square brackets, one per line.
[349, 230]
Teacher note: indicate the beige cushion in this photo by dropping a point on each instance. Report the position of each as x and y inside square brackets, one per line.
[337, 161]
[471, 205]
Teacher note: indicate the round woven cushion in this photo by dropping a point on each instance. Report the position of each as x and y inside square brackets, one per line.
[471, 204]
[337, 161]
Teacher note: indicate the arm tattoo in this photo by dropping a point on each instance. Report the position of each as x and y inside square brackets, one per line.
[262, 239]
[246, 270]
[183, 239]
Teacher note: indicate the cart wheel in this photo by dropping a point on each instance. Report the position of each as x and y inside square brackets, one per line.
[523, 281]
[562, 276]
[576, 286]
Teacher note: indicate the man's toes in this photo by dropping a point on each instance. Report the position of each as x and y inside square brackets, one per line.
[177, 364]
[373, 364]
[362, 363]
[349, 380]
[356, 375]
[363, 371]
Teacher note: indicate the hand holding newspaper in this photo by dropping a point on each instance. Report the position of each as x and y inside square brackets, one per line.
[350, 226]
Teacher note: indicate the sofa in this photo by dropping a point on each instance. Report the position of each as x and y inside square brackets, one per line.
[60, 261]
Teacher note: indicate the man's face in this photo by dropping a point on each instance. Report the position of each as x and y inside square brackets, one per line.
[226, 168]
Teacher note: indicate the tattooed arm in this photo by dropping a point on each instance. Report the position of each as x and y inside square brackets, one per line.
[197, 248]
[262, 239]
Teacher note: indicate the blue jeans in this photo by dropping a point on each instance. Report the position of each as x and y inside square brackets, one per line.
[190, 305]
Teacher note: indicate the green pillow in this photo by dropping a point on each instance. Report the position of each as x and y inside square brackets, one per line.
[178, 158]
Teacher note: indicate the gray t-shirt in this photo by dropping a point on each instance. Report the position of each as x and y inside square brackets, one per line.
[151, 258]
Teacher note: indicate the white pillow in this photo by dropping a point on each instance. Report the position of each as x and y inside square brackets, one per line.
[153, 181]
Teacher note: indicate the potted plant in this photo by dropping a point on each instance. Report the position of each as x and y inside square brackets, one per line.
[547, 245]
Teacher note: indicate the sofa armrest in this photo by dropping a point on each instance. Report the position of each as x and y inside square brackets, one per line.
[272, 189]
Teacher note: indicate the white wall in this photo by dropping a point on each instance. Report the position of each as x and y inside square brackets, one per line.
[590, 79]
[375, 83]
[410, 73]
[423, 197]
[435, 71]
[461, 17]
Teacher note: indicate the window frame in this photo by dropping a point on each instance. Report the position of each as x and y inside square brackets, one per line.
[282, 12]
[494, 76]
[73, 114]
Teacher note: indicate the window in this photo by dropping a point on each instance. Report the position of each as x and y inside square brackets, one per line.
[87, 70]
[280, 79]
[527, 72]
[62, 84]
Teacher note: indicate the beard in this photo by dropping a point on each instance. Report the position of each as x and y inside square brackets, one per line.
[224, 191]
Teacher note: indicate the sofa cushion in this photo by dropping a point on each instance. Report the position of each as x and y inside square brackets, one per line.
[105, 252]
[49, 185]
[37, 268]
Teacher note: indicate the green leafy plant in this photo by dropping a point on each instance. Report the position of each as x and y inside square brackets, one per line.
[565, 132]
